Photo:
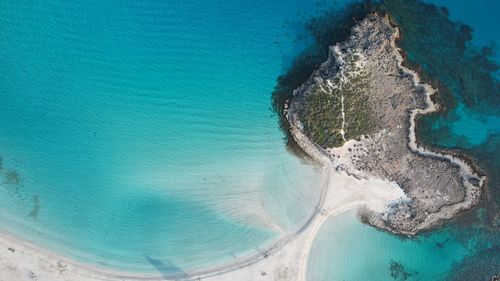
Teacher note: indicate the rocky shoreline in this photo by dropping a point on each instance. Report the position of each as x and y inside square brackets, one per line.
[357, 113]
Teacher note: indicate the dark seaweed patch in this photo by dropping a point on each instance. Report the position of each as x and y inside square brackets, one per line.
[397, 271]
[439, 49]
[488, 159]
[12, 177]
[36, 207]
[482, 266]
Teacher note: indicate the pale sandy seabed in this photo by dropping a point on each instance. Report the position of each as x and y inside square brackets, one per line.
[284, 260]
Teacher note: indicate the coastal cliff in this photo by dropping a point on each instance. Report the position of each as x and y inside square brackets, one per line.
[357, 113]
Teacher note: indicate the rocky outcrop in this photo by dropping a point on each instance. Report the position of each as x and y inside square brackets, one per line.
[357, 113]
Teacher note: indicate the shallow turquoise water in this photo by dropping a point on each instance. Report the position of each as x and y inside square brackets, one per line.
[142, 130]
[346, 249]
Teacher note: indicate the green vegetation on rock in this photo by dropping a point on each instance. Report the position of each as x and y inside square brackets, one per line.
[321, 116]
[359, 116]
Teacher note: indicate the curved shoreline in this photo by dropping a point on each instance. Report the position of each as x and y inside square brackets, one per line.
[89, 271]
[225, 267]
[316, 228]
[288, 255]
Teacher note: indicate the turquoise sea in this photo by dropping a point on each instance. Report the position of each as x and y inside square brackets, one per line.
[140, 135]
[143, 130]
[346, 249]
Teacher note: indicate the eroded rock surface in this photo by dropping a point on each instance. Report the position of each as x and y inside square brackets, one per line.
[358, 109]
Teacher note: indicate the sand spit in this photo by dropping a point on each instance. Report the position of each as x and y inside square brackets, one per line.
[286, 259]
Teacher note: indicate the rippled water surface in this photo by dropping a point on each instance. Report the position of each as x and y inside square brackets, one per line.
[141, 130]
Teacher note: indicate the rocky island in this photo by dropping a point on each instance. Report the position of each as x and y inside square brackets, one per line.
[357, 114]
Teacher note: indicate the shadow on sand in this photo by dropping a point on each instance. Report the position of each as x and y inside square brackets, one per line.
[169, 270]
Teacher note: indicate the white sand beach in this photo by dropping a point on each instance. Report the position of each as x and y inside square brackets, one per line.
[286, 259]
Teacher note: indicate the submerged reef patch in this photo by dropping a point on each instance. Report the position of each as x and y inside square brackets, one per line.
[440, 49]
[36, 207]
[398, 271]
[480, 266]
[10, 177]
